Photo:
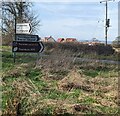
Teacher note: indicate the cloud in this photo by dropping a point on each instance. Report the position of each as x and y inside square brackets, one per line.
[80, 20]
[69, 28]
[71, 10]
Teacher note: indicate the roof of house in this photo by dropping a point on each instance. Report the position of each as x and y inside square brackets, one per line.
[60, 39]
[71, 39]
[48, 38]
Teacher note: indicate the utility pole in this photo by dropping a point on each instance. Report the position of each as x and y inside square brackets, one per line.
[107, 21]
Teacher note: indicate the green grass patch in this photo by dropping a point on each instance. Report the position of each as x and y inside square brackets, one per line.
[59, 72]
[7, 61]
[7, 95]
[26, 57]
[74, 94]
[41, 85]
[47, 110]
[8, 79]
[91, 73]
[54, 94]
[34, 74]
[88, 100]
[107, 109]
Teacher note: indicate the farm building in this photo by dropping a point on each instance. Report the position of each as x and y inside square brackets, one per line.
[49, 39]
[61, 40]
[71, 40]
[66, 40]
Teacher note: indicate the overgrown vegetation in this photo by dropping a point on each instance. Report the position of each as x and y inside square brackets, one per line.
[57, 85]
[83, 50]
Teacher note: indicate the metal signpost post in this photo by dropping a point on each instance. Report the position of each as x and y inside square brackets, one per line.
[14, 54]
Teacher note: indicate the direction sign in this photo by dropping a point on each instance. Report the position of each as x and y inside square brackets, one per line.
[21, 46]
[23, 28]
[27, 37]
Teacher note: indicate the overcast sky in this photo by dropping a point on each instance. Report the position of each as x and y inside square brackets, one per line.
[83, 21]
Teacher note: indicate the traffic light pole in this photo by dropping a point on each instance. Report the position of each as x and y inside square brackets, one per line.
[106, 27]
[106, 20]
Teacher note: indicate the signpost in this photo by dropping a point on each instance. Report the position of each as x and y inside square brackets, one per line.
[23, 28]
[29, 47]
[24, 41]
[27, 37]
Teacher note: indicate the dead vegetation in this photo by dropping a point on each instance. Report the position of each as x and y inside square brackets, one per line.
[92, 93]
[59, 86]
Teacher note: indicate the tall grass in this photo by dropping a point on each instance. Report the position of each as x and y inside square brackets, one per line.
[58, 85]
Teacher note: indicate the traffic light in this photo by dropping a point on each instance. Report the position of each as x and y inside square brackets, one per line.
[108, 23]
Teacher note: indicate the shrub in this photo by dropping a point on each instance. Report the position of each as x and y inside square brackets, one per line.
[100, 49]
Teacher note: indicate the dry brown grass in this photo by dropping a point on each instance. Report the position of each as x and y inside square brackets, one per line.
[73, 80]
[102, 90]
[61, 87]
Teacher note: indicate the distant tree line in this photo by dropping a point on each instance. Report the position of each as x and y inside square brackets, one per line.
[23, 14]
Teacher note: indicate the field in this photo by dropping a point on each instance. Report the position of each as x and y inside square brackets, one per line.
[56, 84]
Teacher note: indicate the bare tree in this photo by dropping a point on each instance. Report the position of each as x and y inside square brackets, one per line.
[19, 11]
